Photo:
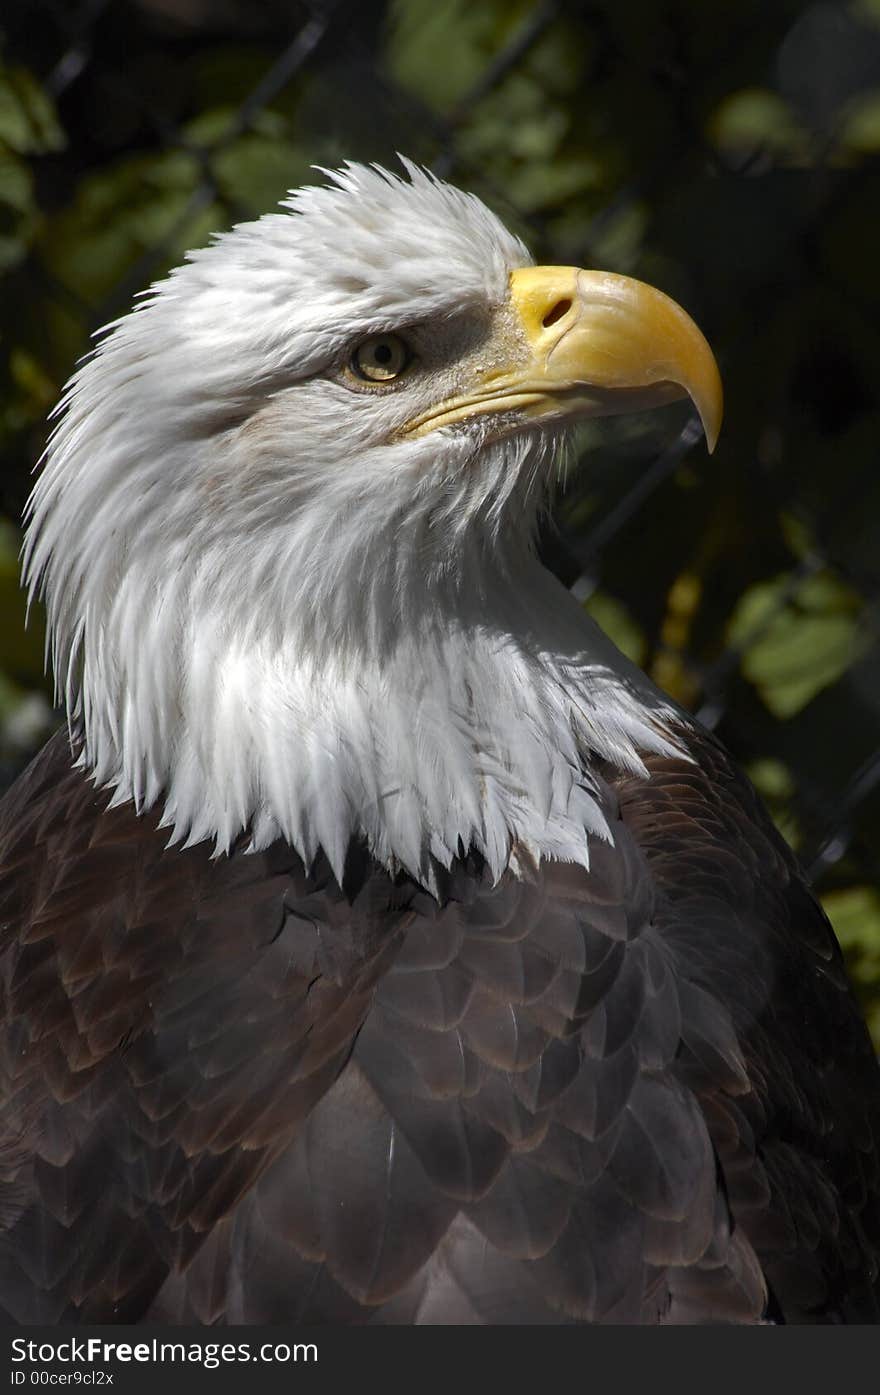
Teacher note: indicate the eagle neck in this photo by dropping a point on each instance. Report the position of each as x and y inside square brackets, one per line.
[475, 721]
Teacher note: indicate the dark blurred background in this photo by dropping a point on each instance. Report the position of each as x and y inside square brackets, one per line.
[727, 152]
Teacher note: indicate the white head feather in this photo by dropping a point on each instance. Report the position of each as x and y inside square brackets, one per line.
[268, 614]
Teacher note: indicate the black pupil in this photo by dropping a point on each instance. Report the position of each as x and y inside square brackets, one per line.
[383, 354]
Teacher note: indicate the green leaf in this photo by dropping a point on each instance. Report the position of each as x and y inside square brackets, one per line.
[794, 648]
[120, 213]
[18, 218]
[771, 778]
[868, 10]
[797, 534]
[775, 784]
[855, 914]
[16, 183]
[860, 125]
[28, 123]
[256, 169]
[612, 616]
[756, 117]
[439, 48]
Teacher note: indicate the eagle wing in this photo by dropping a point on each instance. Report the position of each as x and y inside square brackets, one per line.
[235, 1092]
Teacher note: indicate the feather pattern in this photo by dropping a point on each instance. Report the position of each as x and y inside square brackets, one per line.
[234, 1093]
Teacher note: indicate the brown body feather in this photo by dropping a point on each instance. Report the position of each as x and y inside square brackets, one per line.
[233, 1092]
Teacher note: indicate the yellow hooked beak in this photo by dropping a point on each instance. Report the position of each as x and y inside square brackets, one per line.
[595, 344]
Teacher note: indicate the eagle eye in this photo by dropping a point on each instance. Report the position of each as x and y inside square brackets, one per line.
[380, 359]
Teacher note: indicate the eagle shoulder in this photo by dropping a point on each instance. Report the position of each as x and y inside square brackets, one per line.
[798, 1140]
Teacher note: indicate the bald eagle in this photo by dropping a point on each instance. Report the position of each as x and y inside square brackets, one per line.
[378, 944]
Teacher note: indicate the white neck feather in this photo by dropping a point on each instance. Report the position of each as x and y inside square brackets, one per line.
[465, 732]
[472, 721]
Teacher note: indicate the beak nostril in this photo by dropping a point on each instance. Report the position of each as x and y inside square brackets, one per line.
[561, 308]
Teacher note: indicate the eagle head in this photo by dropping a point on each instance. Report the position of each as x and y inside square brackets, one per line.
[284, 527]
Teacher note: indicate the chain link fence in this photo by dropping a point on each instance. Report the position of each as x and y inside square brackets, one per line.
[728, 153]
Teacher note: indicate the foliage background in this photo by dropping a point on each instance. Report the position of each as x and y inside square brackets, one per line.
[727, 152]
